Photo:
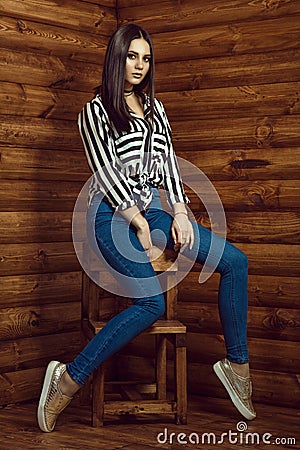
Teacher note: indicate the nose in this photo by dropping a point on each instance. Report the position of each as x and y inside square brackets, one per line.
[139, 63]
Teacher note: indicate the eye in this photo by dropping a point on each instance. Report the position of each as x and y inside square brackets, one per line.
[131, 56]
[147, 59]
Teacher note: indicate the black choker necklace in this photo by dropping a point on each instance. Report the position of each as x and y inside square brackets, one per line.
[128, 92]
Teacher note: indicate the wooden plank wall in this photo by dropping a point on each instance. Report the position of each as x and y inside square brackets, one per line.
[51, 54]
[228, 73]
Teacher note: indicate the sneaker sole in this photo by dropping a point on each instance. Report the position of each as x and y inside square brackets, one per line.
[44, 394]
[235, 400]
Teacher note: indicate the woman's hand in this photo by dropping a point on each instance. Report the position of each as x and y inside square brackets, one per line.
[134, 216]
[143, 235]
[182, 232]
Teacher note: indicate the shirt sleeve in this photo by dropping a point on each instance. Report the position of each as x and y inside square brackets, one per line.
[101, 155]
[172, 179]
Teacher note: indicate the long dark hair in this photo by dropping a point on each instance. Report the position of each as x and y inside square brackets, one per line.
[113, 76]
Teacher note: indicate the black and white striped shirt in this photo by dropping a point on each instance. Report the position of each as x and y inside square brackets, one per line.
[126, 163]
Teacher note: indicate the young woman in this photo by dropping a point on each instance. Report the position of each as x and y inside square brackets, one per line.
[128, 144]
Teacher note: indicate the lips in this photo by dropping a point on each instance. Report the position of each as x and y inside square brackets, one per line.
[137, 75]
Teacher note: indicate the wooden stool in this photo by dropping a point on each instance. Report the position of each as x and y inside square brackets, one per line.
[165, 329]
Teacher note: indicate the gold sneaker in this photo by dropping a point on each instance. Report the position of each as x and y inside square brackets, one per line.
[239, 388]
[52, 401]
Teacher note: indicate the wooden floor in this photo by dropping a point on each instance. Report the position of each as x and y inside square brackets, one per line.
[18, 429]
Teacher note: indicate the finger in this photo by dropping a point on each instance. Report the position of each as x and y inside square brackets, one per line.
[176, 237]
[173, 232]
[176, 247]
[179, 237]
[149, 249]
[192, 239]
[183, 246]
[149, 245]
[186, 237]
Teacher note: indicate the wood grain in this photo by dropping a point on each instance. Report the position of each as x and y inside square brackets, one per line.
[40, 289]
[36, 320]
[230, 70]
[22, 354]
[206, 415]
[39, 195]
[244, 196]
[20, 385]
[266, 323]
[34, 101]
[246, 164]
[47, 70]
[230, 39]
[238, 101]
[265, 227]
[16, 259]
[279, 259]
[39, 133]
[170, 16]
[246, 132]
[16, 227]
[72, 14]
[129, 3]
[41, 164]
[109, 3]
[30, 36]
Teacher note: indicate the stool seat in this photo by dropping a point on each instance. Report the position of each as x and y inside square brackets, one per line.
[159, 327]
[166, 329]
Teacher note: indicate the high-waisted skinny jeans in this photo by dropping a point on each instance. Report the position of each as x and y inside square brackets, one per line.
[147, 308]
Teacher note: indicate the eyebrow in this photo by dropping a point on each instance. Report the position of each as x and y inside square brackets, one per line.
[136, 53]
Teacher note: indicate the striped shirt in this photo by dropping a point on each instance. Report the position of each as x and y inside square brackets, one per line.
[125, 163]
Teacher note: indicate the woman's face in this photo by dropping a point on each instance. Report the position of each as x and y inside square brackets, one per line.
[137, 62]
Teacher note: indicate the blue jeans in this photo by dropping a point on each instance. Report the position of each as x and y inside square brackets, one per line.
[148, 306]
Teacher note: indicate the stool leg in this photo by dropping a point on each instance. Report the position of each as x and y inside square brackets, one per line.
[161, 367]
[180, 379]
[98, 397]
